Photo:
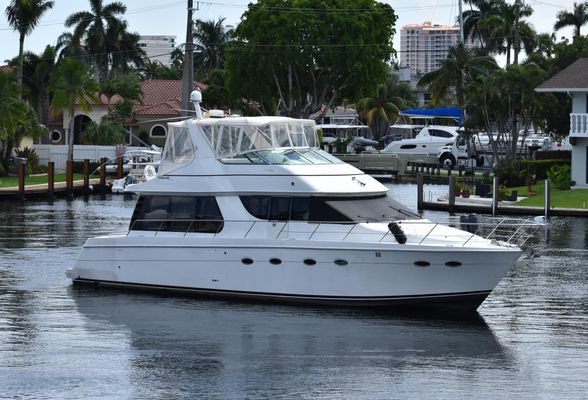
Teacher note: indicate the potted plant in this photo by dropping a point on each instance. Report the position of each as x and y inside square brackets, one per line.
[529, 183]
[457, 189]
[466, 191]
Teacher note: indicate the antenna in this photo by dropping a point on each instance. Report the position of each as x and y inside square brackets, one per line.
[195, 99]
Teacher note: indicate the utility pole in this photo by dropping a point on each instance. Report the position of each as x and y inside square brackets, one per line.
[517, 37]
[461, 36]
[188, 71]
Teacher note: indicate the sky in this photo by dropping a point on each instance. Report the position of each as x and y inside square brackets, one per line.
[168, 17]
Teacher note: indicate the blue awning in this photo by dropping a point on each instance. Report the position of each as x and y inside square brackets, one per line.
[444, 112]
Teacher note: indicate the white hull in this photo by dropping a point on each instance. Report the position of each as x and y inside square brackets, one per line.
[375, 274]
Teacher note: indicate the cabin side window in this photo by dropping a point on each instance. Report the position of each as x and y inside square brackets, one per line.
[326, 209]
[440, 133]
[292, 209]
[177, 214]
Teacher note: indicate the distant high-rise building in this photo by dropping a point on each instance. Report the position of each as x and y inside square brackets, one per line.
[158, 47]
[423, 47]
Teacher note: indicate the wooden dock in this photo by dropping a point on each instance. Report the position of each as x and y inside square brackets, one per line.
[493, 206]
[42, 190]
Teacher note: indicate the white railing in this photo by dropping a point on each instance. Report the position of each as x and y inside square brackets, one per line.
[501, 231]
[579, 124]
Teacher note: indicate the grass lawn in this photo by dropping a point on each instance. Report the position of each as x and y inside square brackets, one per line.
[12, 181]
[559, 198]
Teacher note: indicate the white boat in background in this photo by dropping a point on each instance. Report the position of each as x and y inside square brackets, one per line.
[425, 146]
[251, 208]
[141, 165]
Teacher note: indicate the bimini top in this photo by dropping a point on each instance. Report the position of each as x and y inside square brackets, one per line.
[443, 112]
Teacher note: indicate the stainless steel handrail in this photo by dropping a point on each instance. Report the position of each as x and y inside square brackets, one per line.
[503, 231]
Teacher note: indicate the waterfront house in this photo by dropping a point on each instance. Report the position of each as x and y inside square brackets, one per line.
[161, 104]
[574, 81]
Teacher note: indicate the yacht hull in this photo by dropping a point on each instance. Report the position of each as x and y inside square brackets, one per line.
[313, 273]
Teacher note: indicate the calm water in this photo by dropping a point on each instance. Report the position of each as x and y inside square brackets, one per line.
[530, 340]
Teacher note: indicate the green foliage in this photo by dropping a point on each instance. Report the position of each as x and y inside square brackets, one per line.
[78, 167]
[539, 168]
[456, 71]
[561, 176]
[215, 96]
[106, 133]
[211, 38]
[31, 156]
[13, 111]
[509, 173]
[72, 85]
[108, 44]
[309, 54]
[379, 111]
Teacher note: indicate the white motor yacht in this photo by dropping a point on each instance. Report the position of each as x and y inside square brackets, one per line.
[251, 208]
[426, 143]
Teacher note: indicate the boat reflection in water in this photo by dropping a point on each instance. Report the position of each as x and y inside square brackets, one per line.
[238, 350]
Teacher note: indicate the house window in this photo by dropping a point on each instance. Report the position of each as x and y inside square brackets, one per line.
[55, 136]
[158, 131]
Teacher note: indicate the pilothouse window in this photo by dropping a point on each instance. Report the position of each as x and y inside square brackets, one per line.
[178, 150]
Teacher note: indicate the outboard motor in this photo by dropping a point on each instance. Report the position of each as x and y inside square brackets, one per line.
[397, 231]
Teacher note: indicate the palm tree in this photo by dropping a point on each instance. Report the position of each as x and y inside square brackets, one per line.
[23, 16]
[13, 112]
[72, 85]
[577, 18]
[93, 26]
[379, 111]
[501, 30]
[473, 18]
[177, 57]
[70, 46]
[124, 49]
[460, 66]
[211, 38]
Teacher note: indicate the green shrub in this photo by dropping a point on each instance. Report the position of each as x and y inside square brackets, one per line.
[539, 168]
[78, 167]
[509, 173]
[560, 176]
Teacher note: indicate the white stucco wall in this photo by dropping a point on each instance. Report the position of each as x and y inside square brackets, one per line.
[579, 163]
[579, 103]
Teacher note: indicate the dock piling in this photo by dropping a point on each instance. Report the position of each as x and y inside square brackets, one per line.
[51, 178]
[21, 171]
[69, 177]
[494, 196]
[547, 198]
[420, 194]
[86, 171]
[119, 168]
[103, 174]
[451, 197]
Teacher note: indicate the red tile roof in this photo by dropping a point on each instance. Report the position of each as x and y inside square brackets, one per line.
[6, 68]
[163, 97]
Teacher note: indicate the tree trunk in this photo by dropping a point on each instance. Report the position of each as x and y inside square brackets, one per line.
[69, 133]
[20, 63]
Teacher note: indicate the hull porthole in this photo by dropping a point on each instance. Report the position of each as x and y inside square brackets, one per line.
[422, 263]
[247, 261]
[275, 261]
[309, 261]
[341, 262]
[453, 264]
